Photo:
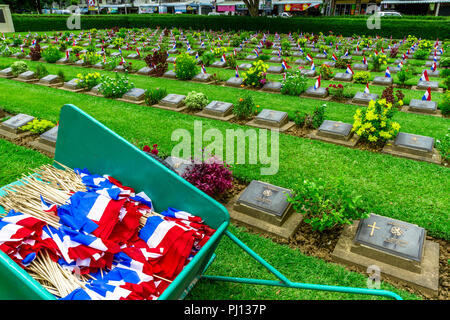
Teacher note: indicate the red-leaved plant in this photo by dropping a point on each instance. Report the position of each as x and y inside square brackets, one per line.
[212, 176]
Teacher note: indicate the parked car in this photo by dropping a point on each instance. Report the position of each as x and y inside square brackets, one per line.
[389, 14]
[285, 15]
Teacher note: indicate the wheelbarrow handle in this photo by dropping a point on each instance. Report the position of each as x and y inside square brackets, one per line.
[285, 282]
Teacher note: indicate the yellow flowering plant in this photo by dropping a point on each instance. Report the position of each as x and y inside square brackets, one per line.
[374, 123]
[378, 60]
[256, 75]
[38, 126]
[88, 81]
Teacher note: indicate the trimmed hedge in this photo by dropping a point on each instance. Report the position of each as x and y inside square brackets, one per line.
[426, 28]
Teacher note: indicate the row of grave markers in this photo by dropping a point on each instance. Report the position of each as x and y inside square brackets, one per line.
[407, 145]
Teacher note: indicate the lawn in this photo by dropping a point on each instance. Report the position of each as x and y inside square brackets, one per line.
[399, 188]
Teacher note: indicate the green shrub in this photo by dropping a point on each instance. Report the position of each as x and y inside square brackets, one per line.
[361, 77]
[294, 84]
[52, 54]
[38, 126]
[41, 71]
[208, 58]
[186, 67]
[325, 207]
[244, 108]
[18, 67]
[443, 146]
[325, 72]
[444, 105]
[421, 54]
[155, 95]
[196, 100]
[310, 121]
[445, 62]
[403, 75]
[115, 87]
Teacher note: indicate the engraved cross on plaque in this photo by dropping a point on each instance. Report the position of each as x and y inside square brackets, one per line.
[373, 228]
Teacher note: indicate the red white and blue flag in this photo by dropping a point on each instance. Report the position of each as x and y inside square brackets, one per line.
[424, 76]
[387, 74]
[427, 95]
[285, 65]
[349, 70]
[317, 84]
[366, 90]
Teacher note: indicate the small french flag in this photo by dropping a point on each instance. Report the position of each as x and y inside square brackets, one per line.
[256, 52]
[308, 57]
[138, 53]
[346, 53]
[434, 66]
[366, 90]
[236, 73]
[427, 95]
[284, 65]
[349, 70]
[67, 54]
[317, 84]
[174, 46]
[120, 51]
[325, 52]
[223, 59]
[333, 57]
[424, 76]
[313, 67]
[364, 60]
[387, 74]
[203, 69]
[196, 55]
[400, 65]
[48, 207]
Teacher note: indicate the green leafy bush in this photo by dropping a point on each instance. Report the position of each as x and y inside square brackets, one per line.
[196, 100]
[361, 77]
[443, 146]
[41, 71]
[186, 67]
[310, 121]
[325, 207]
[444, 105]
[115, 87]
[421, 54]
[244, 108]
[208, 58]
[325, 72]
[52, 54]
[18, 67]
[155, 95]
[38, 126]
[294, 84]
[403, 75]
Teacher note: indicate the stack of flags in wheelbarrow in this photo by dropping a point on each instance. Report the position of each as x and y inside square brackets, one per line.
[108, 236]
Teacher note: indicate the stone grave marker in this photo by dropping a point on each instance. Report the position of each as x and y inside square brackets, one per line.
[172, 102]
[6, 73]
[413, 146]
[50, 80]
[335, 132]
[331, 64]
[10, 128]
[430, 64]
[46, 141]
[434, 74]
[234, 82]
[219, 64]
[424, 85]
[308, 72]
[421, 106]
[342, 76]
[98, 65]
[244, 66]
[27, 76]
[72, 85]
[275, 59]
[134, 95]
[321, 56]
[251, 57]
[364, 98]
[170, 74]
[382, 81]
[320, 92]
[275, 69]
[202, 77]
[218, 110]
[272, 86]
[265, 207]
[179, 165]
[145, 71]
[171, 59]
[272, 119]
[360, 67]
[399, 249]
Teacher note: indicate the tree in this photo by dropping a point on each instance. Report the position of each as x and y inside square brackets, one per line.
[253, 7]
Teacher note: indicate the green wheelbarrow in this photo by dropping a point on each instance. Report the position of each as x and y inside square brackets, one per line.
[83, 142]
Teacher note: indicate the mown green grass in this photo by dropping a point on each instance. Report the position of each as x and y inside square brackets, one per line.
[404, 189]
[411, 123]
[16, 160]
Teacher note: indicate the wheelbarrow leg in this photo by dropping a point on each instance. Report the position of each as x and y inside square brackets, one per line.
[285, 282]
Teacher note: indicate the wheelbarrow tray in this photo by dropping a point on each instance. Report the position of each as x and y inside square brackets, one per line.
[83, 142]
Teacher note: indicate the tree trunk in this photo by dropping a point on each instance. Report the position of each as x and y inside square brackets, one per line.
[253, 7]
[38, 6]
